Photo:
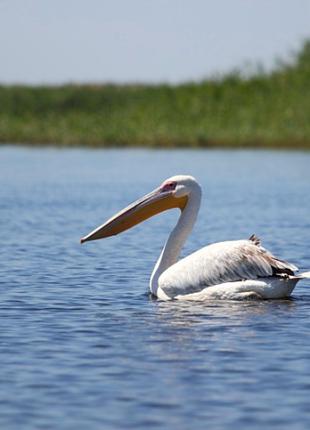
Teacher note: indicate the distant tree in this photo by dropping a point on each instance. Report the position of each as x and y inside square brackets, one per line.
[303, 57]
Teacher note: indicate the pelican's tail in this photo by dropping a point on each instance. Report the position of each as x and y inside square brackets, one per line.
[304, 275]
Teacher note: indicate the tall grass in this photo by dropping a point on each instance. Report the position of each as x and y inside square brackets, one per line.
[267, 110]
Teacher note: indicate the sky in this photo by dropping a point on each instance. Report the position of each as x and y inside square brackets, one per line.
[61, 41]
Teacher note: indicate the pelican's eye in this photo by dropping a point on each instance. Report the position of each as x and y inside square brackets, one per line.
[169, 186]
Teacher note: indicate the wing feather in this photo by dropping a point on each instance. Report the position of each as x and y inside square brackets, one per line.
[222, 262]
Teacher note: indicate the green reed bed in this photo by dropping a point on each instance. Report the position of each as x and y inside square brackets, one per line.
[265, 110]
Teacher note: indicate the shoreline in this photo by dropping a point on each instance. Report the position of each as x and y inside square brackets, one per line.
[262, 111]
[215, 147]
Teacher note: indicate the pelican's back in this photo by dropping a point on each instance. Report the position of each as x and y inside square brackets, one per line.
[219, 263]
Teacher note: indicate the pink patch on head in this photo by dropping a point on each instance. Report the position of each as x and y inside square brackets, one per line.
[169, 186]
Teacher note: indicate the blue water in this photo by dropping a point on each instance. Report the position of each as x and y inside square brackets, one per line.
[83, 345]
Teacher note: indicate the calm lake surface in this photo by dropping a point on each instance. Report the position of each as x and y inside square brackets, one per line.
[83, 345]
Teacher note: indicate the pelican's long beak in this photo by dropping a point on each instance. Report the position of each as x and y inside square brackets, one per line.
[153, 203]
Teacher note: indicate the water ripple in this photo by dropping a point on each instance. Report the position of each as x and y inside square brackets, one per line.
[82, 342]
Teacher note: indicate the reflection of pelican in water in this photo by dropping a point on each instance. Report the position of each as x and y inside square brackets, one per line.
[233, 269]
[219, 313]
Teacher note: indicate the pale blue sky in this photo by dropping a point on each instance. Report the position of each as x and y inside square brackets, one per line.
[56, 41]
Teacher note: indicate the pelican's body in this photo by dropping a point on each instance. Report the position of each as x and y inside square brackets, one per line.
[232, 270]
[223, 270]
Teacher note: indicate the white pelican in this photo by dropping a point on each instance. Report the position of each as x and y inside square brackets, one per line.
[232, 269]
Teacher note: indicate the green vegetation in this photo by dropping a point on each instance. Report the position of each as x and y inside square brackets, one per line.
[264, 110]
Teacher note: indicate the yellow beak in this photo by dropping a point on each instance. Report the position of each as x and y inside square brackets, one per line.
[153, 203]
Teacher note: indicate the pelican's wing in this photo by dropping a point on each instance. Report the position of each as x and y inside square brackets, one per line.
[222, 262]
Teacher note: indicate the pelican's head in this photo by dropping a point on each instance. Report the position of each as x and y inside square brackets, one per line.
[172, 193]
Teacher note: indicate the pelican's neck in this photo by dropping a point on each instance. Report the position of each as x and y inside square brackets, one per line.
[177, 238]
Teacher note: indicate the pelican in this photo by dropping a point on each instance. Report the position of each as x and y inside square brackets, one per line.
[237, 269]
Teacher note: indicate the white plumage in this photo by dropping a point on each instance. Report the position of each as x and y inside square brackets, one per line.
[221, 263]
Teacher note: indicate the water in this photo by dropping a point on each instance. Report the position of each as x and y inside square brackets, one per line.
[83, 345]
